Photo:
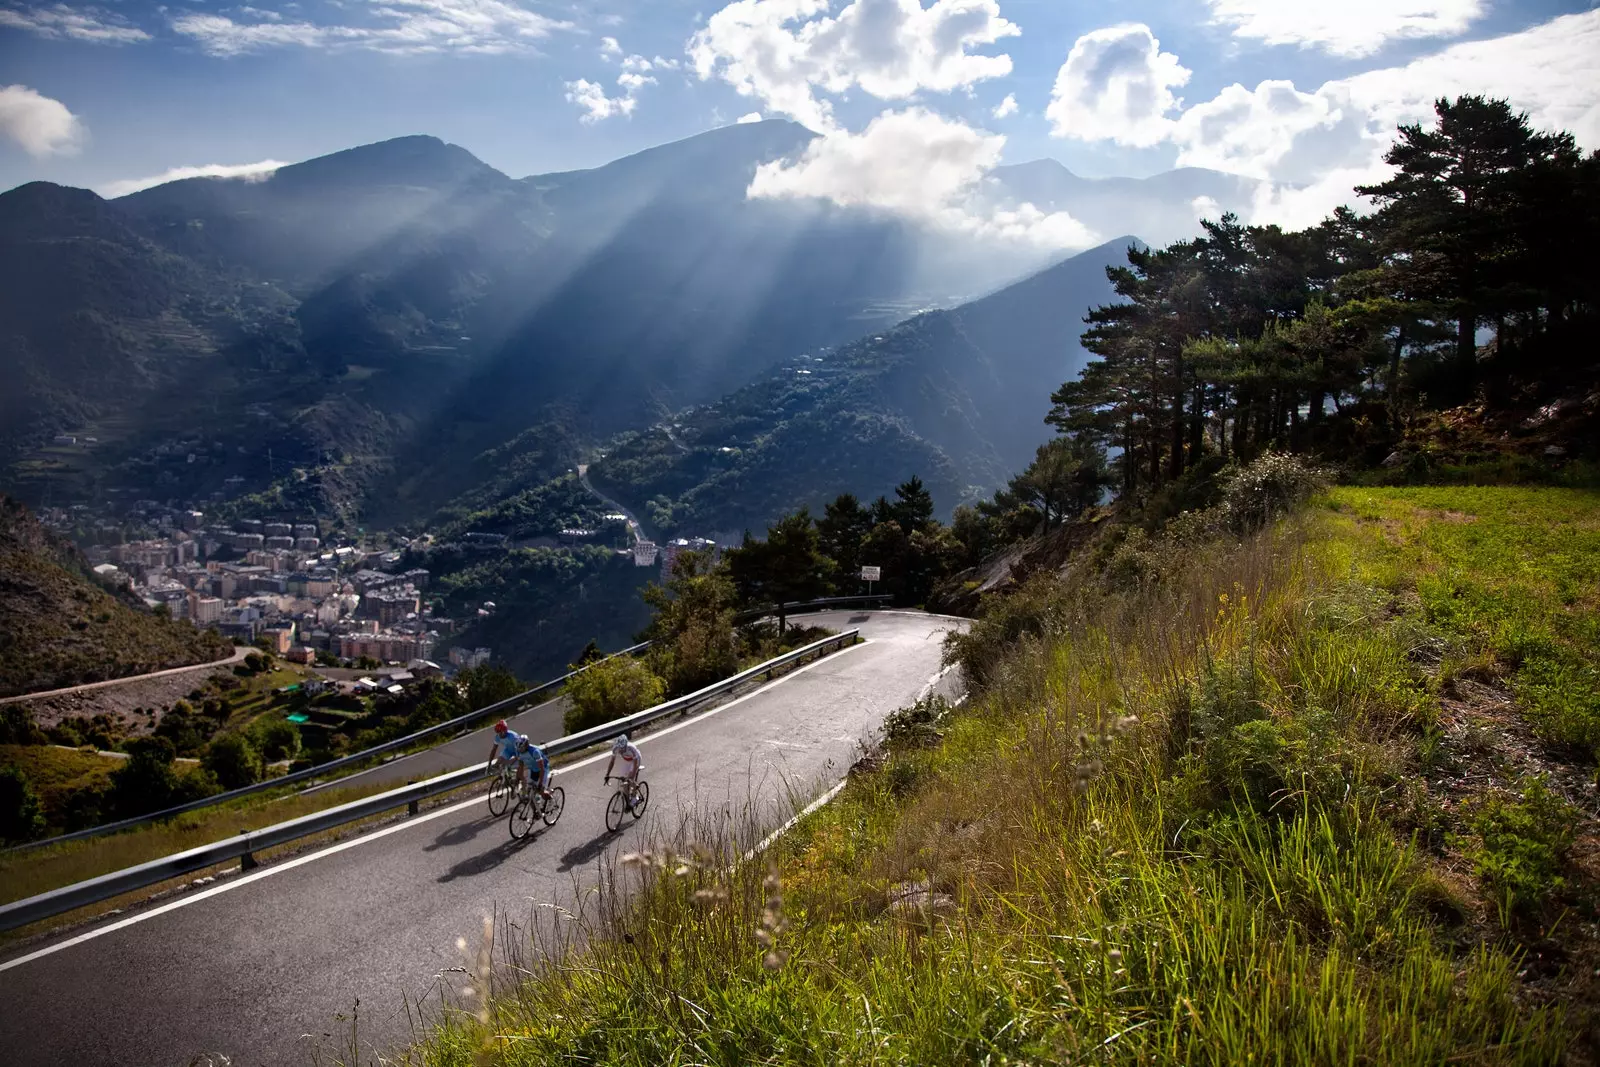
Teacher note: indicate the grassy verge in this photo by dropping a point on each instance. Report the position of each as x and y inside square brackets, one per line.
[1211, 803]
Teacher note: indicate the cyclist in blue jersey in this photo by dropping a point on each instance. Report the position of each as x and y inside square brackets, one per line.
[505, 747]
[532, 761]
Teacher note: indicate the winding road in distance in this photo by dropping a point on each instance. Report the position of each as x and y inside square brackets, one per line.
[257, 967]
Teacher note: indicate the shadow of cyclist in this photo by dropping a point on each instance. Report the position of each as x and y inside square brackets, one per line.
[590, 850]
[461, 833]
[485, 862]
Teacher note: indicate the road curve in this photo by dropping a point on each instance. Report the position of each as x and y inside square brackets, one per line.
[238, 655]
[251, 966]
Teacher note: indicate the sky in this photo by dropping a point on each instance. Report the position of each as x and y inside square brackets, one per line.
[918, 100]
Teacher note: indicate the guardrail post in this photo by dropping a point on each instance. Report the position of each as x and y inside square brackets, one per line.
[247, 862]
[411, 808]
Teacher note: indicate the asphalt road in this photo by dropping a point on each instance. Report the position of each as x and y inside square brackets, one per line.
[239, 653]
[257, 967]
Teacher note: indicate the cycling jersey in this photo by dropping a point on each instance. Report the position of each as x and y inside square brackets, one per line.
[508, 744]
[534, 759]
[630, 759]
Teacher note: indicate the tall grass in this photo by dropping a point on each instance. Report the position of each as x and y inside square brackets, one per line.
[1163, 831]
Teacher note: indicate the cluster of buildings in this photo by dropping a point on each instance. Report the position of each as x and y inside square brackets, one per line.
[648, 553]
[250, 579]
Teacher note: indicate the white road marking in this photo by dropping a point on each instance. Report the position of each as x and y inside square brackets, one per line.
[416, 820]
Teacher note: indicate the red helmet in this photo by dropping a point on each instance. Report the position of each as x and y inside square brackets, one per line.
[500, 727]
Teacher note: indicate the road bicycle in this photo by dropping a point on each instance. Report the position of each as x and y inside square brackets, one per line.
[502, 785]
[532, 807]
[631, 799]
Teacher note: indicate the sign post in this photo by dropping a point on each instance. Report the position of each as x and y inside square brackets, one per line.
[870, 575]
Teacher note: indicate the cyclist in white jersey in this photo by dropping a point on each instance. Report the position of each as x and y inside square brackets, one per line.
[632, 763]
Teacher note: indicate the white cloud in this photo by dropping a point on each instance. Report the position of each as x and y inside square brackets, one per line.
[1117, 85]
[250, 172]
[1348, 27]
[82, 24]
[1252, 133]
[42, 126]
[918, 164]
[783, 52]
[1314, 147]
[404, 27]
[609, 47]
[754, 116]
[596, 106]
[1006, 107]
[636, 63]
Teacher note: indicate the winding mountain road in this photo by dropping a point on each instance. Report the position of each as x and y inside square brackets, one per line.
[258, 966]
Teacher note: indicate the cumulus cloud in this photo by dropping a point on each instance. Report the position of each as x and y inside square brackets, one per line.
[1117, 85]
[754, 116]
[609, 47]
[1253, 132]
[91, 24]
[1347, 28]
[786, 52]
[249, 172]
[403, 27]
[1314, 147]
[596, 106]
[918, 164]
[42, 126]
[1006, 107]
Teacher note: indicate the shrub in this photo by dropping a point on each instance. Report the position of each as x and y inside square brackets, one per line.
[234, 760]
[147, 781]
[1521, 844]
[18, 728]
[611, 690]
[703, 652]
[277, 740]
[21, 818]
[1267, 488]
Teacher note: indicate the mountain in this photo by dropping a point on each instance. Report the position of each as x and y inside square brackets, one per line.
[60, 627]
[957, 397]
[1161, 209]
[357, 334]
[95, 317]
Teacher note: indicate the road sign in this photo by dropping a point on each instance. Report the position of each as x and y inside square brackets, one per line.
[872, 574]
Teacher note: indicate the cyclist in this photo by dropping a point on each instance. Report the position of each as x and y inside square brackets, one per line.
[532, 761]
[505, 747]
[632, 763]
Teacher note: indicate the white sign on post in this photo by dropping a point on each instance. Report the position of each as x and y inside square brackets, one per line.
[872, 574]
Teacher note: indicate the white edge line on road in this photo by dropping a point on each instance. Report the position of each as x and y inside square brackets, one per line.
[415, 820]
[768, 841]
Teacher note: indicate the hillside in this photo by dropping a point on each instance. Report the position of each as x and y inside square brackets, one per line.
[353, 332]
[58, 627]
[1299, 797]
[957, 397]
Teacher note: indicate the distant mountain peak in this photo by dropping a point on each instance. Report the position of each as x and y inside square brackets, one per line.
[416, 159]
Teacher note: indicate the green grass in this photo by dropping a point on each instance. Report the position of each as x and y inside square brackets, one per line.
[1179, 824]
[56, 773]
[1507, 576]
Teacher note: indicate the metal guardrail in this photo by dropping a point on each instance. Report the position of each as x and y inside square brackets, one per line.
[244, 846]
[509, 706]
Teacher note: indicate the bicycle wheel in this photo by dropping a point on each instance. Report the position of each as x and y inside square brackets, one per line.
[523, 818]
[500, 789]
[553, 806]
[614, 810]
[641, 800]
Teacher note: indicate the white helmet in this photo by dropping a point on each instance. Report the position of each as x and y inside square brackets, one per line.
[620, 743]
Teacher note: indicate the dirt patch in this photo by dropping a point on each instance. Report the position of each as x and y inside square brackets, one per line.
[124, 700]
[1457, 518]
[1486, 747]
